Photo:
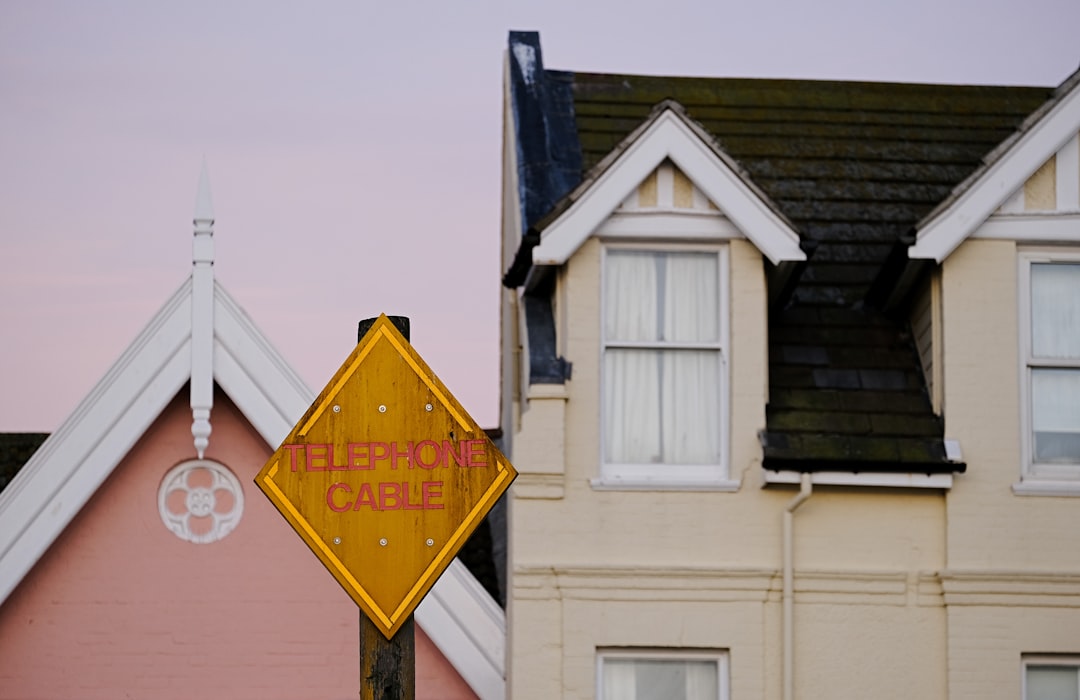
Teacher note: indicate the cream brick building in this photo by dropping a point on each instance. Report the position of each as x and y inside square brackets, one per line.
[788, 376]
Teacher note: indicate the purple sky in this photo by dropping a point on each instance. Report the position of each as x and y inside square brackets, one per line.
[354, 153]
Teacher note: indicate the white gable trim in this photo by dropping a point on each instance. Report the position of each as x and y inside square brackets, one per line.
[257, 379]
[74, 461]
[981, 195]
[684, 224]
[669, 136]
[49, 491]
[469, 628]
[1033, 227]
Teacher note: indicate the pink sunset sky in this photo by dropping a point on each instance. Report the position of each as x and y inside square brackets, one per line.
[353, 150]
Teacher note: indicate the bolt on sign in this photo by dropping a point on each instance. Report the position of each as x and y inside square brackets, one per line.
[385, 476]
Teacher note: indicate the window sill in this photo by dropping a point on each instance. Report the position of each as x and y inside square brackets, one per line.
[616, 484]
[886, 479]
[1046, 487]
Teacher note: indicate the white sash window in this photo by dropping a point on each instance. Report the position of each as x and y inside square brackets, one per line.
[664, 366]
[662, 676]
[1051, 348]
[1051, 678]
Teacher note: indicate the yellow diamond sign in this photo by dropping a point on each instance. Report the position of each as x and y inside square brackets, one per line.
[385, 477]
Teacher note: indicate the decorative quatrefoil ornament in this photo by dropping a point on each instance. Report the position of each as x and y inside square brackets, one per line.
[200, 501]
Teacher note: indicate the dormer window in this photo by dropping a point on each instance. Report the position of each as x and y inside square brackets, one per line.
[664, 364]
[1051, 347]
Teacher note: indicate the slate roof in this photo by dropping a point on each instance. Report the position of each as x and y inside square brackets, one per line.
[853, 166]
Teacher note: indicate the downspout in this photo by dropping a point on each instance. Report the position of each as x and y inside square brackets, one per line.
[805, 490]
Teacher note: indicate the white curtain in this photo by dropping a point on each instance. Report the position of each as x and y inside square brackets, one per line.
[702, 681]
[690, 401]
[619, 679]
[661, 405]
[1055, 310]
[690, 297]
[631, 377]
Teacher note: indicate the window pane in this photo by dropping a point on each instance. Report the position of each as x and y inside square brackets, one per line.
[630, 296]
[619, 680]
[1055, 402]
[690, 407]
[661, 406]
[1052, 683]
[1055, 310]
[655, 296]
[632, 407]
[660, 679]
[690, 298]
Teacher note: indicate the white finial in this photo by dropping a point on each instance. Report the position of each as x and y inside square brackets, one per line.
[202, 316]
[204, 208]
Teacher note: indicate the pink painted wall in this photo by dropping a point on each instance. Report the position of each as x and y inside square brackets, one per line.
[121, 607]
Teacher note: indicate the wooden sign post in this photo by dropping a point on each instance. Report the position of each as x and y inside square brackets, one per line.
[387, 666]
[385, 477]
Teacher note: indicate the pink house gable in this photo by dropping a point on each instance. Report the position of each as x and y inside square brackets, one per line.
[101, 595]
[119, 604]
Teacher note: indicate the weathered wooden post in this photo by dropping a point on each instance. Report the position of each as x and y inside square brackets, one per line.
[387, 666]
[385, 477]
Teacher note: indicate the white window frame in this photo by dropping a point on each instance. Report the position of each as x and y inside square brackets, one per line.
[673, 476]
[1065, 661]
[718, 656]
[1036, 478]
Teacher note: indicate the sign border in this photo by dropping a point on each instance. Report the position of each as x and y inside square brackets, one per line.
[388, 623]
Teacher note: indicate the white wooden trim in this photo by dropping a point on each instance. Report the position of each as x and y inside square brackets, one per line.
[201, 387]
[1046, 487]
[254, 375]
[1049, 227]
[944, 230]
[683, 224]
[469, 628]
[1014, 204]
[701, 202]
[1023, 323]
[1067, 177]
[74, 461]
[51, 514]
[614, 483]
[669, 136]
[883, 479]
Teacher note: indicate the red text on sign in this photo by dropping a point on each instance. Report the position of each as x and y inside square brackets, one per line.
[360, 456]
[386, 495]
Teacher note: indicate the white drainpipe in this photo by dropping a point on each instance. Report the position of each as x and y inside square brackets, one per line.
[805, 490]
